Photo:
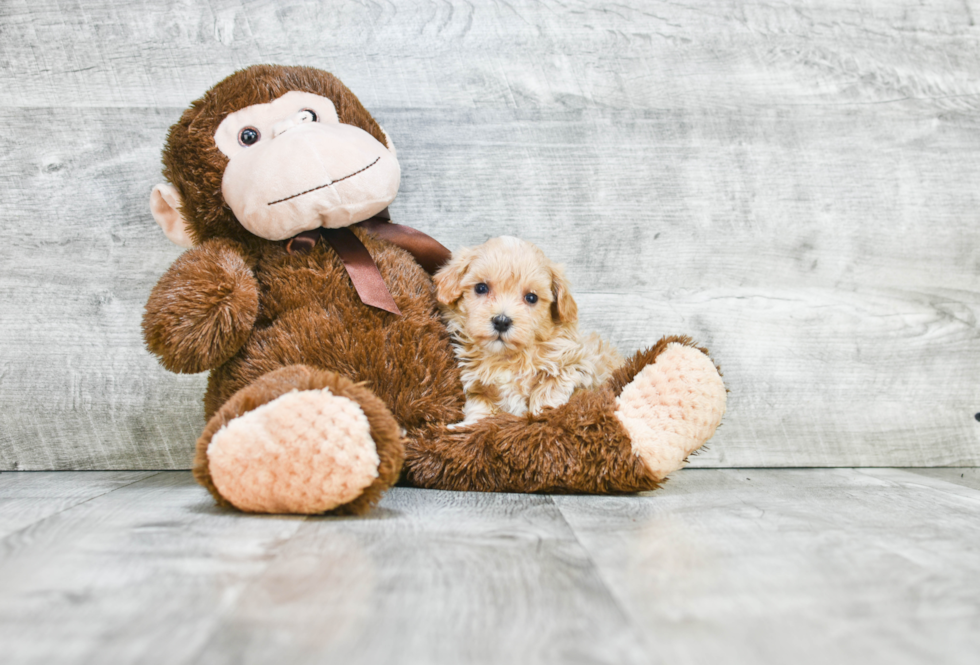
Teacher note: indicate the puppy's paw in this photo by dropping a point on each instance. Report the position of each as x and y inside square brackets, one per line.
[463, 423]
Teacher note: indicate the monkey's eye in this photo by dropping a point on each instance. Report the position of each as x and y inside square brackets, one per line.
[530, 298]
[248, 136]
[308, 115]
[481, 289]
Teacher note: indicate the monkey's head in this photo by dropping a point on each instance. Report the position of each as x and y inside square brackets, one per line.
[270, 152]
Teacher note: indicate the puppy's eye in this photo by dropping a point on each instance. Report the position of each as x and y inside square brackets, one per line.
[481, 289]
[248, 136]
[530, 298]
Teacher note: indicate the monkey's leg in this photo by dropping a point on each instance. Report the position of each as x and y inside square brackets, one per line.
[300, 440]
[670, 398]
[625, 437]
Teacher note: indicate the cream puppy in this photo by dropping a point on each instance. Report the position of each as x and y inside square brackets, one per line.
[514, 326]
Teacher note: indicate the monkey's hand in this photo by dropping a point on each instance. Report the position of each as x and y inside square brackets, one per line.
[203, 308]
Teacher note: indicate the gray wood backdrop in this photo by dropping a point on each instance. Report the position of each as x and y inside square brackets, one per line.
[795, 185]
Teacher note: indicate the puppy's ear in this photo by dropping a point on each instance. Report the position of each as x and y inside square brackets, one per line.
[449, 278]
[563, 308]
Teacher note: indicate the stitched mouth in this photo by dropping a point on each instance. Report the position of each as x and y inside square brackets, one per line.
[332, 182]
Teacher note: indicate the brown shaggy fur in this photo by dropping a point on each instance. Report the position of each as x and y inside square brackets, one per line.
[579, 447]
[202, 310]
[265, 321]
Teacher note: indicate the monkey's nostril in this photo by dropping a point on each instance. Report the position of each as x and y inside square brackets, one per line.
[501, 323]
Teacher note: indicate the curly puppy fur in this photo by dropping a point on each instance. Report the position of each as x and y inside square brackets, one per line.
[514, 325]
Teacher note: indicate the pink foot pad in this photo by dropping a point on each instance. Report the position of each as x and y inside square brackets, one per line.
[304, 452]
[672, 407]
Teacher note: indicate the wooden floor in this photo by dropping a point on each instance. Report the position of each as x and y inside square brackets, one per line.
[721, 566]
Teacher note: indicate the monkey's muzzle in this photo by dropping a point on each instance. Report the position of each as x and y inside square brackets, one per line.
[314, 175]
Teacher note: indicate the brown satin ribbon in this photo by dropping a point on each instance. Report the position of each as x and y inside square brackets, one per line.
[363, 272]
[427, 251]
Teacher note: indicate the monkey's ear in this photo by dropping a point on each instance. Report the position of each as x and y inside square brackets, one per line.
[390, 145]
[563, 308]
[449, 278]
[165, 206]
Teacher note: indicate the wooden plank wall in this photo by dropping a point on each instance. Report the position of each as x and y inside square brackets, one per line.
[796, 185]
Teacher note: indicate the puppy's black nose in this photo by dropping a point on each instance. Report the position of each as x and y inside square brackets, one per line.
[501, 323]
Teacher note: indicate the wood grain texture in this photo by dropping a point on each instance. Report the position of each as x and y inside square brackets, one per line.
[154, 573]
[966, 477]
[760, 567]
[801, 566]
[138, 574]
[26, 498]
[435, 577]
[795, 186]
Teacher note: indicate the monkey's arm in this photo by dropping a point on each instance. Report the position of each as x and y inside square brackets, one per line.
[203, 308]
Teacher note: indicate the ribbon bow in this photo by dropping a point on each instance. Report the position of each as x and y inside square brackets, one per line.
[360, 266]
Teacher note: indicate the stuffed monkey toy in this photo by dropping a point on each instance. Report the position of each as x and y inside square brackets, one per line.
[331, 373]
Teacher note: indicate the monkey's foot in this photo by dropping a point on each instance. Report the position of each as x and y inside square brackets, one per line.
[671, 407]
[306, 451]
